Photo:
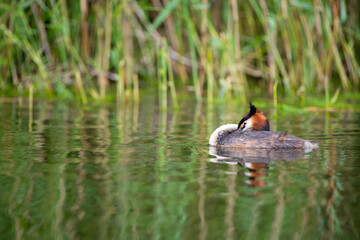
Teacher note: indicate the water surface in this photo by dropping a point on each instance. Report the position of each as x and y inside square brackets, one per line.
[135, 172]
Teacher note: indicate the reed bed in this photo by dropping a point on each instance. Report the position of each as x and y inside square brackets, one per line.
[220, 49]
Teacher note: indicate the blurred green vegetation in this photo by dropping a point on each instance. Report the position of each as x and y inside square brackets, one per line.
[218, 49]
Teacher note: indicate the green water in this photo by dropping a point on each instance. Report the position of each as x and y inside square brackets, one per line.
[135, 172]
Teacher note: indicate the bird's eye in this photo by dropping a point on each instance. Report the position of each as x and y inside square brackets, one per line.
[244, 124]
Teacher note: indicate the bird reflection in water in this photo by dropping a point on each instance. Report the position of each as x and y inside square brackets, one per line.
[255, 173]
[256, 161]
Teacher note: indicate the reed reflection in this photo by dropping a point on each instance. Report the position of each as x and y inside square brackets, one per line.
[256, 161]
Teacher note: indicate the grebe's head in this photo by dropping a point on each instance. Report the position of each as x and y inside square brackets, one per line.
[254, 121]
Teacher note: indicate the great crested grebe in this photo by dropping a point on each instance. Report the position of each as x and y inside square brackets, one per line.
[253, 131]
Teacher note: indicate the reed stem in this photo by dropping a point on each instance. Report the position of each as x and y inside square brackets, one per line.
[292, 49]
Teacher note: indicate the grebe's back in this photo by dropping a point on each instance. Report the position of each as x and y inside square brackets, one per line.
[259, 140]
[253, 131]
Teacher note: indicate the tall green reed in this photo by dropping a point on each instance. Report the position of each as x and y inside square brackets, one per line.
[287, 48]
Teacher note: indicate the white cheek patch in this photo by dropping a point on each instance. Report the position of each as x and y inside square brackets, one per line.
[248, 125]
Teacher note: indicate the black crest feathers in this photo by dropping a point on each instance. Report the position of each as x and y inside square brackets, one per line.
[252, 109]
[251, 112]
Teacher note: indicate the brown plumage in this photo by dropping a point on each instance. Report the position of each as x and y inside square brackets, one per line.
[262, 139]
[259, 121]
[255, 120]
[253, 131]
